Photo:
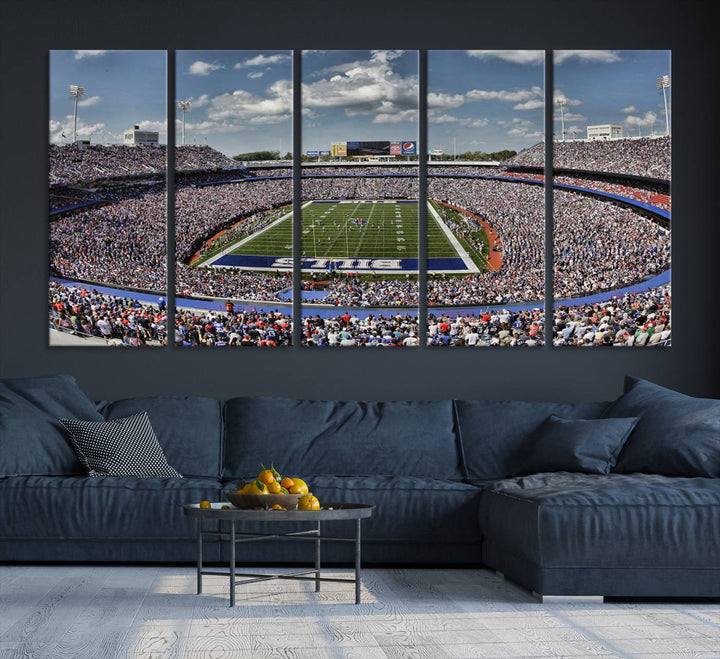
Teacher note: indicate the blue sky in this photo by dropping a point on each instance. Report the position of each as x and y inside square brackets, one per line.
[240, 101]
[611, 87]
[482, 100]
[359, 95]
[122, 88]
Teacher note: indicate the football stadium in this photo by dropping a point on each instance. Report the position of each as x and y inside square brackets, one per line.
[359, 252]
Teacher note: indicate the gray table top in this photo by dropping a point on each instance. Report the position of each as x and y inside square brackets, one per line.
[329, 511]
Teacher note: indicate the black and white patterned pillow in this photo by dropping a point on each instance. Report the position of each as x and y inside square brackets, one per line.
[121, 447]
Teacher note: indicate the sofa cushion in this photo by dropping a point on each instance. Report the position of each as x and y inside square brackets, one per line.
[312, 437]
[102, 509]
[32, 440]
[493, 434]
[121, 447]
[677, 435]
[590, 446]
[568, 520]
[189, 429]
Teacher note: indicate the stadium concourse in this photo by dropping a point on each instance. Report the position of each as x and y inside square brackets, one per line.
[108, 229]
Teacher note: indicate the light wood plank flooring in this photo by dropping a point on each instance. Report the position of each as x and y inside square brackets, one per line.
[95, 612]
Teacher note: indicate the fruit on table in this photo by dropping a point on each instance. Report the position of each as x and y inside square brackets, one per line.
[269, 481]
[308, 502]
[205, 504]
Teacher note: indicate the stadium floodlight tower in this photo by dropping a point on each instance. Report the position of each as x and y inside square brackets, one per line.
[663, 82]
[76, 92]
[562, 102]
[184, 107]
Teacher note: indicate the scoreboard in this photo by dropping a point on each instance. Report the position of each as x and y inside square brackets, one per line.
[379, 148]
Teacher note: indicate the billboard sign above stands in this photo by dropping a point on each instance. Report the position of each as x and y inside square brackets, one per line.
[409, 148]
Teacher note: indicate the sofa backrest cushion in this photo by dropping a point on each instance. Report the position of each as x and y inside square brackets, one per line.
[493, 433]
[188, 428]
[314, 437]
[677, 435]
[32, 440]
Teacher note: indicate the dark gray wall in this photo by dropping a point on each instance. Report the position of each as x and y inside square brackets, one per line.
[31, 28]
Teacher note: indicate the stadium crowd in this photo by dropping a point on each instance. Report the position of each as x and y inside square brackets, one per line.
[645, 156]
[346, 330]
[118, 320]
[635, 319]
[70, 163]
[254, 328]
[494, 327]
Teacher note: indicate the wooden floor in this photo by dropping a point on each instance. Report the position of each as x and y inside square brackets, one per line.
[83, 612]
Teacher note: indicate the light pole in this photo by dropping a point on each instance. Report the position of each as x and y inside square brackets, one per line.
[663, 82]
[562, 102]
[76, 92]
[184, 107]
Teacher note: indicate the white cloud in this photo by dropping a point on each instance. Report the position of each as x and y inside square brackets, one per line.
[569, 116]
[514, 56]
[441, 118]
[516, 96]
[82, 54]
[244, 107]
[573, 102]
[90, 100]
[263, 60]
[532, 104]
[647, 120]
[159, 126]
[444, 101]
[600, 56]
[255, 74]
[62, 131]
[395, 117]
[524, 128]
[365, 87]
[201, 68]
[474, 123]
[629, 109]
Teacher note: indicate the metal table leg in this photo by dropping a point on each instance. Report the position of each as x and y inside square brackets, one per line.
[200, 556]
[317, 560]
[232, 562]
[357, 561]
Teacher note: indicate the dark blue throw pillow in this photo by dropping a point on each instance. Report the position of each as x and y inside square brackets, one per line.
[589, 446]
[677, 435]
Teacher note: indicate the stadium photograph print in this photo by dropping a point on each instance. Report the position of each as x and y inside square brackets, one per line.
[611, 198]
[233, 198]
[486, 217]
[107, 193]
[360, 199]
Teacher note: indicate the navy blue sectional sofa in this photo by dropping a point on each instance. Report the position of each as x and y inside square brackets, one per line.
[616, 498]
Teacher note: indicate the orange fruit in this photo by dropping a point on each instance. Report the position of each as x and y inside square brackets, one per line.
[299, 487]
[274, 487]
[205, 504]
[308, 502]
[256, 487]
[287, 482]
[277, 506]
[266, 476]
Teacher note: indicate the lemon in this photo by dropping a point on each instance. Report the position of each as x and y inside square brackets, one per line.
[205, 504]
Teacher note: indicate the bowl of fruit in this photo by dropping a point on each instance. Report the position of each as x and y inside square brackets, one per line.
[272, 491]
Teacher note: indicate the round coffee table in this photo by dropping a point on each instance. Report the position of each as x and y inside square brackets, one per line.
[329, 513]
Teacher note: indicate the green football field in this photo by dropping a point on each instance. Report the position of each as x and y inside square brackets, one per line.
[389, 230]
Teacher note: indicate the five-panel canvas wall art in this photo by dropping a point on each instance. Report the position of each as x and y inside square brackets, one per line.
[470, 221]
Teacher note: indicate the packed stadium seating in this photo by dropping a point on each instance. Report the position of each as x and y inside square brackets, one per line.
[598, 245]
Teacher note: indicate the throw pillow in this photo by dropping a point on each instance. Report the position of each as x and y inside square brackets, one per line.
[677, 435]
[121, 447]
[589, 446]
[32, 441]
